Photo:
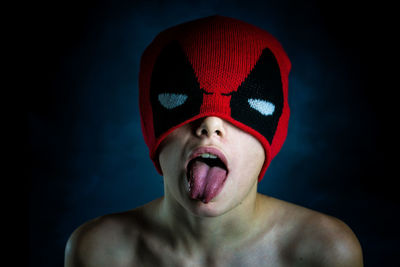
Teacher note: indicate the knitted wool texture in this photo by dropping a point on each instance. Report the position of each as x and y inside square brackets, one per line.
[215, 66]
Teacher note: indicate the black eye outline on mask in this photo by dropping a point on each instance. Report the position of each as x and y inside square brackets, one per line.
[175, 93]
[258, 101]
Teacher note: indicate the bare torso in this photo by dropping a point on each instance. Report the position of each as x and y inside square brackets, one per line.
[295, 236]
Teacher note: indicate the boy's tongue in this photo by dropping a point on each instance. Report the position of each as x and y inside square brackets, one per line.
[205, 181]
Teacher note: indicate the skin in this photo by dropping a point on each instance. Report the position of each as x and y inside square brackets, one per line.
[239, 227]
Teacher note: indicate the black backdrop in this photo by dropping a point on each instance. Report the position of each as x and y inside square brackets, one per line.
[87, 155]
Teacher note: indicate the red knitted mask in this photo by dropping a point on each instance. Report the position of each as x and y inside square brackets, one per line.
[215, 66]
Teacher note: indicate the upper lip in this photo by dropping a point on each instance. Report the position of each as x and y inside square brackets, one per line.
[208, 149]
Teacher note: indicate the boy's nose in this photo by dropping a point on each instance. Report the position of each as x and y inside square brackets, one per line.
[210, 126]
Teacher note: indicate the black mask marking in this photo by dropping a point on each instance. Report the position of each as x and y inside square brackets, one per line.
[258, 102]
[175, 93]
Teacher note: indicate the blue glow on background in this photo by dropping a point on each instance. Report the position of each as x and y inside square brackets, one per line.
[90, 159]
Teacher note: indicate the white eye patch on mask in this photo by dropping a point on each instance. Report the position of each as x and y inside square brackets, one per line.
[266, 108]
[171, 101]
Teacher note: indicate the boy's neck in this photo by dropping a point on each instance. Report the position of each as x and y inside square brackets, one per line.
[209, 233]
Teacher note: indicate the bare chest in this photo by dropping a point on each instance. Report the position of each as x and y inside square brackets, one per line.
[261, 253]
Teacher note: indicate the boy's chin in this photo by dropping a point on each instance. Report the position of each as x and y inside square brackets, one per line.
[213, 208]
[216, 206]
[210, 209]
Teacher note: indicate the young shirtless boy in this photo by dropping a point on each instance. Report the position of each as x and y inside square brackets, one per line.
[214, 110]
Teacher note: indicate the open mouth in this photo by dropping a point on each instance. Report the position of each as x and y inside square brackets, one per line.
[206, 174]
[210, 159]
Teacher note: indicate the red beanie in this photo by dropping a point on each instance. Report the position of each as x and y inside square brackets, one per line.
[215, 66]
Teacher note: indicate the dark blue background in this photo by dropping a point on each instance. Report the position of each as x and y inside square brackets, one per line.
[87, 154]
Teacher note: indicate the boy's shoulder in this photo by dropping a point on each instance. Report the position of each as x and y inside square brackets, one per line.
[109, 240]
[308, 237]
